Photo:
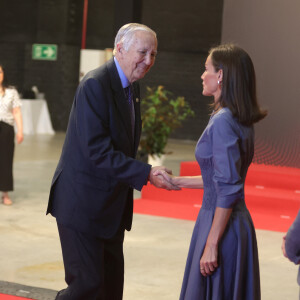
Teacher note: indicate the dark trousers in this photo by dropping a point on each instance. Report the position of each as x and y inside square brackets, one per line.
[7, 146]
[94, 267]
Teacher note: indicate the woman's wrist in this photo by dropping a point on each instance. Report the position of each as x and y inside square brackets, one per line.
[212, 242]
[176, 180]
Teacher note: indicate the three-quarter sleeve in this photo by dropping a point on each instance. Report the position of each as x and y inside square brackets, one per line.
[9, 101]
[16, 102]
[227, 162]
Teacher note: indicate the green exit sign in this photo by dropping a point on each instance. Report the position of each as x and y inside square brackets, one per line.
[44, 51]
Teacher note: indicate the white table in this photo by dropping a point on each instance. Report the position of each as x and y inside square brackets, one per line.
[36, 117]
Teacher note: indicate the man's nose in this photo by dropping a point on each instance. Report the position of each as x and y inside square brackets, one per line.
[148, 59]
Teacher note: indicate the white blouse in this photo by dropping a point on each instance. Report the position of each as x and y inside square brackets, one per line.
[8, 102]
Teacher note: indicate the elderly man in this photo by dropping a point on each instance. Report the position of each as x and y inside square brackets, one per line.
[91, 195]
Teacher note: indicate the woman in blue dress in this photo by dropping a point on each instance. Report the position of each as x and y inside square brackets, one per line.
[222, 262]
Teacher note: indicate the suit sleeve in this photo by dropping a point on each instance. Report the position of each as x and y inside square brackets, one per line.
[292, 241]
[94, 133]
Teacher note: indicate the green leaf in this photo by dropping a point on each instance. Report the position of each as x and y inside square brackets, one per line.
[160, 116]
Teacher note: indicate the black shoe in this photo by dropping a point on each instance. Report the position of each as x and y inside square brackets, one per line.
[58, 295]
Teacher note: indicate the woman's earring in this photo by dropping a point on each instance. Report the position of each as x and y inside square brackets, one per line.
[219, 82]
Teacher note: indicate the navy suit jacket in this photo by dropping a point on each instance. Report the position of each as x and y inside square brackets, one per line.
[92, 188]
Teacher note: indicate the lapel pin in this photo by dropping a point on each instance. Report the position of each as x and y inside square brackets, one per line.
[137, 100]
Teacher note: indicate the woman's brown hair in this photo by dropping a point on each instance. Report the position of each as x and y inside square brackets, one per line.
[238, 83]
[5, 81]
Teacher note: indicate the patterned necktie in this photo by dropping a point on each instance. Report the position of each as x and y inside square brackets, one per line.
[129, 95]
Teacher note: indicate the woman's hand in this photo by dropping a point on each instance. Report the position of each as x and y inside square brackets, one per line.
[283, 247]
[19, 137]
[19, 122]
[189, 182]
[209, 260]
[167, 177]
[159, 180]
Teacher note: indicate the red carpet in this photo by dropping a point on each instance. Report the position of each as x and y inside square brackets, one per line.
[272, 196]
[10, 297]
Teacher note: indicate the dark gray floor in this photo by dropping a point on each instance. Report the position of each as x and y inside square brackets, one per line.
[155, 249]
[25, 291]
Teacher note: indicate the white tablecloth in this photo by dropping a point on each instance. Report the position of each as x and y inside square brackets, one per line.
[36, 117]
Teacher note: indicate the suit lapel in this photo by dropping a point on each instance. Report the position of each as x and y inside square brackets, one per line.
[138, 123]
[123, 108]
[120, 99]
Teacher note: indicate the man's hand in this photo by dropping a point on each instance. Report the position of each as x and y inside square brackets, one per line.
[159, 181]
[167, 176]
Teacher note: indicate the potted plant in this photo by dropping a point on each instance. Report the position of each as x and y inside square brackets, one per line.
[161, 114]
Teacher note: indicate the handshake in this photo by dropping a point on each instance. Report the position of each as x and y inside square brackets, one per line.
[162, 178]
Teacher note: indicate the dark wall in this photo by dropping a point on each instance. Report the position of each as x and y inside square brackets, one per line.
[189, 26]
[18, 20]
[100, 24]
[24, 23]
[185, 33]
[58, 79]
[17, 26]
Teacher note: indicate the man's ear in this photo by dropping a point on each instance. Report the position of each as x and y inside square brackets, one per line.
[120, 48]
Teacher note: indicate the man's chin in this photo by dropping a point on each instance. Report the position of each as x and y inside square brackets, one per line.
[140, 75]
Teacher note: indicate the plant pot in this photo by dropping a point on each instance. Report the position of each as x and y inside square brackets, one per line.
[142, 156]
[155, 160]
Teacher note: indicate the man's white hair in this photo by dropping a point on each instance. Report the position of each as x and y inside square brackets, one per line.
[126, 33]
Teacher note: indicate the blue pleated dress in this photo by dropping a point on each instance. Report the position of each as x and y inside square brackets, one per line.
[224, 153]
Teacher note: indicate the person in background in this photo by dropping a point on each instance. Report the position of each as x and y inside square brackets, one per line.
[222, 263]
[10, 113]
[91, 195]
[291, 244]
